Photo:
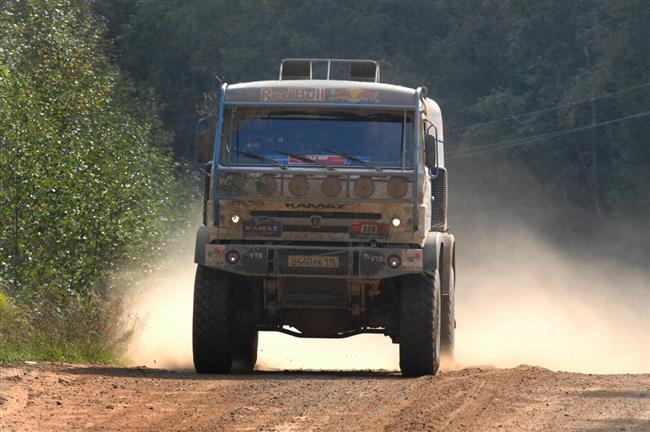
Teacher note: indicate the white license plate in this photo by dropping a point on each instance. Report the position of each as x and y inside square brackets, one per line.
[313, 261]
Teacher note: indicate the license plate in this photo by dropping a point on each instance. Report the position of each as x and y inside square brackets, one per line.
[313, 261]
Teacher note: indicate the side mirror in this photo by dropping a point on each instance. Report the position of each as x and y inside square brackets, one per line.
[430, 150]
[205, 136]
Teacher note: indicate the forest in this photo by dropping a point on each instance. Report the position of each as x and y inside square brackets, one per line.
[546, 106]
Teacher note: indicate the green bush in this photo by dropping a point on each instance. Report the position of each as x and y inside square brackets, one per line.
[84, 187]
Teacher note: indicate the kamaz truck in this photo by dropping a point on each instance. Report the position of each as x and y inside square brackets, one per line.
[325, 216]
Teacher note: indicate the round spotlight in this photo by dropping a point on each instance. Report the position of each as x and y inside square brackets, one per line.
[394, 261]
[232, 257]
[396, 222]
[397, 187]
[232, 183]
[331, 186]
[299, 185]
[235, 219]
[364, 187]
[266, 185]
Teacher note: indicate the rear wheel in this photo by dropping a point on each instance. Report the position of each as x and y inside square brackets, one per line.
[448, 324]
[419, 327]
[211, 325]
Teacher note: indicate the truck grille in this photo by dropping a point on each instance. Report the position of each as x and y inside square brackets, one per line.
[321, 214]
[312, 292]
[439, 203]
[320, 229]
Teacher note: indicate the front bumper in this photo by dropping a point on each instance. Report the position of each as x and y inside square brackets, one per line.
[308, 261]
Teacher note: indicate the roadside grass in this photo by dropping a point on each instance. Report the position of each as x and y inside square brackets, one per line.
[70, 341]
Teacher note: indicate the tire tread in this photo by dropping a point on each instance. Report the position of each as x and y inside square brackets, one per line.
[419, 324]
[211, 332]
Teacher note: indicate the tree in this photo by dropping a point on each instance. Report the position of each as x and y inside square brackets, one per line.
[83, 186]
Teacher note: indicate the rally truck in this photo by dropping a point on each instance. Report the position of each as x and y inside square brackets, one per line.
[325, 216]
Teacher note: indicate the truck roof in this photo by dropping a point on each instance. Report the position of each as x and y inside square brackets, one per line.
[322, 92]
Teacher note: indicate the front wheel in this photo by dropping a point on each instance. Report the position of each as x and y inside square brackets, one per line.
[212, 343]
[419, 348]
[244, 331]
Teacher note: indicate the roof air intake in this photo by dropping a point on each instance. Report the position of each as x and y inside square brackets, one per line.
[329, 69]
[295, 69]
[364, 70]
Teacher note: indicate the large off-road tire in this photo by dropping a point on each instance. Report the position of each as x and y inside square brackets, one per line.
[419, 347]
[244, 350]
[211, 327]
[448, 315]
[244, 330]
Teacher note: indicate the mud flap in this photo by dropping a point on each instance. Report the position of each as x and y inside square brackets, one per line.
[431, 251]
[199, 246]
[449, 243]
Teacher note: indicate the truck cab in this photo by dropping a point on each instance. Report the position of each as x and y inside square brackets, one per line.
[325, 216]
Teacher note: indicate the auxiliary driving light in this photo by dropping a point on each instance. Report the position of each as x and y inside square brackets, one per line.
[397, 187]
[364, 187]
[299, 185]
[396, 222]
[232, 257]
[331, 186]
[266, 185]
[235, 219]
[394, 261]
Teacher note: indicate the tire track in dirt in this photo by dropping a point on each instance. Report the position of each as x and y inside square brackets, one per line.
[67, 397]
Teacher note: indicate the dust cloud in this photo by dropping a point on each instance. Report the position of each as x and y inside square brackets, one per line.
[519, 301]
[160, 304]
[522, 301]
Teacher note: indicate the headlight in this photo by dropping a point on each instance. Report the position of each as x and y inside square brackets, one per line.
[235, 219]
[394, 261]
[364, 187]
[396, 222]
[232, 257]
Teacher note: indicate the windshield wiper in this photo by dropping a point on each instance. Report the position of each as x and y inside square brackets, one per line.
[305, 159]
[353, 158]
[262, 158]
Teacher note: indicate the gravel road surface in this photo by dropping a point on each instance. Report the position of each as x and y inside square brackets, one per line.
[74, 397]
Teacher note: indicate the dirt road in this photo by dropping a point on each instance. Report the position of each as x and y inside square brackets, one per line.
[69, 397]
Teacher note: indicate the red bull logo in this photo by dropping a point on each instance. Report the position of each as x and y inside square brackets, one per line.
[354, 95]
[269, 94]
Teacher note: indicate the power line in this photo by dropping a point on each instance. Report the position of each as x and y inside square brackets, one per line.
[522, 141]
[552, 108]
[470, 152]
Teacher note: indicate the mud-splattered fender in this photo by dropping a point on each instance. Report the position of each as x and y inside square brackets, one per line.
[432, 250]
[199, 246]
[436, 243]
[448, 248]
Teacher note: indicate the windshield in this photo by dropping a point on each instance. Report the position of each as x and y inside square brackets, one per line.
[319, 138]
